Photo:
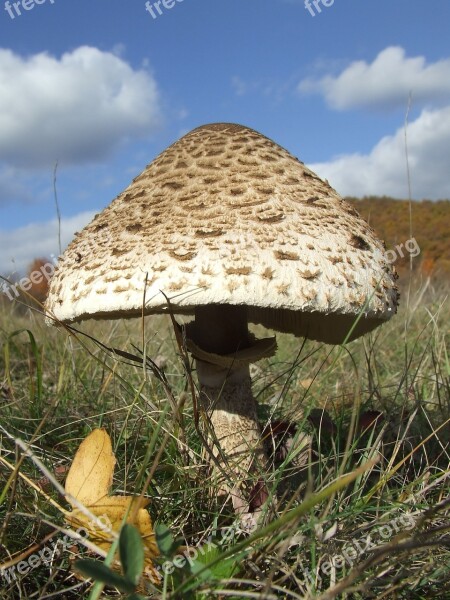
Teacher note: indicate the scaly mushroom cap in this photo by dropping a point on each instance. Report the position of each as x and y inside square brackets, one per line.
[226, 216]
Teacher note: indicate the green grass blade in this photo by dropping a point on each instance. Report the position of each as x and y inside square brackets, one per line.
[98, 571]
[131, 551]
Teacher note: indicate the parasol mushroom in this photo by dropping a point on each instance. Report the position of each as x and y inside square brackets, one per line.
[232, 229]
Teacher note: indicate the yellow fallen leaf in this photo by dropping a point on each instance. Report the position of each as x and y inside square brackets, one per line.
[89, 481]
[90, 476]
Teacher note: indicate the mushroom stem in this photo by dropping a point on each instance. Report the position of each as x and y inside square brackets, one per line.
[227, 399]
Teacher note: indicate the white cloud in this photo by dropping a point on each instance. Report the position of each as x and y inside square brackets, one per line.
[239, 86]
[384, 83]
[383, 171]
[76, 108]
[20, 246]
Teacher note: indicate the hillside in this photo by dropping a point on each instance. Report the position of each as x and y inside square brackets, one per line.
[429, 231]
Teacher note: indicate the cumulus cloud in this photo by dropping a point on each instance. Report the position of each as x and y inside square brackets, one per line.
[75, 108]
[385, 83]
[239, 85]
[383, 170]
[20, 246]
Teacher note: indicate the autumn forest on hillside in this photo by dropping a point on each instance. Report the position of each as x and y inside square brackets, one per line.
[397, 221]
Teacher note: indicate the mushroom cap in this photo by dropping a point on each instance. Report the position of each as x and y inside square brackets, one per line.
[227, 216]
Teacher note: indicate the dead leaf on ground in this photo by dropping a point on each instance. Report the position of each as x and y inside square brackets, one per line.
[89, 481]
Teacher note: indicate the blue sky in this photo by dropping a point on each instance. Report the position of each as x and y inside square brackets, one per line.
[102, 87]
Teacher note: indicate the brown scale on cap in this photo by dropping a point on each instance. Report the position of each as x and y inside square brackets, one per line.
[249, 223]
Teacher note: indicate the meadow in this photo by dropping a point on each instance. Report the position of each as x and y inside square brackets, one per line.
[359, 437]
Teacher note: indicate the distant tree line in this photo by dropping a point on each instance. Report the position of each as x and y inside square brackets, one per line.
[396, 221]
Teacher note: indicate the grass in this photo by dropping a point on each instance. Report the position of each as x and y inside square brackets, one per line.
[377, 410]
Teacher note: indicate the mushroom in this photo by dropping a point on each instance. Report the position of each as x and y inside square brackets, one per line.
[232, 229]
